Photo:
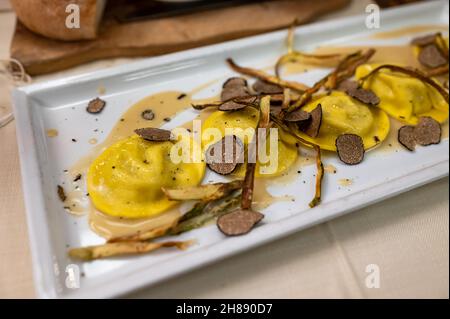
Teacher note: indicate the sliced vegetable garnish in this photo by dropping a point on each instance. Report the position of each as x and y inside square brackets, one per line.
[319, 178]
[204, 212]
[344, 70]
[350, 148]
[123, 248]
[206, 192]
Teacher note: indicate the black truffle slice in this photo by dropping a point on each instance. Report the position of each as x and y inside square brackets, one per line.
[424, 40]
[234, 87]
[225, 163]
[239, 222]
[350, 148]
[263, 87]
[95, 106]
[406, 137]
[431, 57]
[297, 116]
[237, 103]
[61, 193]
[148, 115]
[364, 96]
[154, 134]
[312, 127]
[428, 131]
[346, 85]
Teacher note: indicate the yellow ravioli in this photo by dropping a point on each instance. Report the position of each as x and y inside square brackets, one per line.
[403, 97]
[245, 121]
[126, 179]
[341, 114]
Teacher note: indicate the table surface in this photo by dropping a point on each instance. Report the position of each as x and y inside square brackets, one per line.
[407, 237]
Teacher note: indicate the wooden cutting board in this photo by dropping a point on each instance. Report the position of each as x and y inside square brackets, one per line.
[41, 55]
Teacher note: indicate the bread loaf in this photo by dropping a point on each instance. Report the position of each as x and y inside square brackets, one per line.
[48, 17]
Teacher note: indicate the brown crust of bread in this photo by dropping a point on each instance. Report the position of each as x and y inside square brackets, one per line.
[48, 18]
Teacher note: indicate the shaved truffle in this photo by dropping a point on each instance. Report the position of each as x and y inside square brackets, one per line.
[364, 96]
[154, 134]
[424, 40]
[312, 127]
[61, 193]
[350, 148]
[234, 87]
[237, 103]
[428, 131]
[148, 115]
[431, 57]
[346, 85]
[225, 163]
[238, 222]
[297, 116]
[263, 87]
[95, 106]
[406, 137]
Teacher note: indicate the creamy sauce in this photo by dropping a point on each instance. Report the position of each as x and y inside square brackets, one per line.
[112, 227]
[52, 132]
[345, 182]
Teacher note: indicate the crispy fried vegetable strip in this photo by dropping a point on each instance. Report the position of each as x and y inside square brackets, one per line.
[413, 73]
[249, 179]
[345, 70]
[440, 70]
[320, 170]
[297, 56]
[147, 235]
[291, 36]
[442, 44]
[348, 66]
[286, 98]
[203, 212]
[207, 192]
[296, 86]
[325, 60]
[123, 248]
[319, 177]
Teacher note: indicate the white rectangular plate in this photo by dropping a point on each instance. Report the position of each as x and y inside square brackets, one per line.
[47, 105]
